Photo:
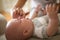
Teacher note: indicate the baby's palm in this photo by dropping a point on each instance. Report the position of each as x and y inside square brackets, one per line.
[52, 11]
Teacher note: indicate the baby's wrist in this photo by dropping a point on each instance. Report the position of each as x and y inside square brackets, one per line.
[56, 20]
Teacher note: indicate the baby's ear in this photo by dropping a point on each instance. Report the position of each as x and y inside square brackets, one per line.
[25, 32]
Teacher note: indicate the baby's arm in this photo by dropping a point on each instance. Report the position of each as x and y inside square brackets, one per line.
[52, 27]
[34, 12]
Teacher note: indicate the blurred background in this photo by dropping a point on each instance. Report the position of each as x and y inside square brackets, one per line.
[7, 5]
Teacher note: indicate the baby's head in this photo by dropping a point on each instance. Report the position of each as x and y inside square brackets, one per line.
[19, 29]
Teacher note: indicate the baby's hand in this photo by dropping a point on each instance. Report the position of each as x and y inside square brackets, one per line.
[18, 13]
[38, 8]
[52, 11]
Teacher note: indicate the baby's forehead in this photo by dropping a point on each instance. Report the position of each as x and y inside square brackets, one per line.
[12, 21]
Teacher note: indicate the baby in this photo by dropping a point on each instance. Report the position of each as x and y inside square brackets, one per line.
[23, 28]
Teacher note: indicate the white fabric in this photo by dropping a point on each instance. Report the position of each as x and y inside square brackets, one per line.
[2, 37]
[40, 25]
[3, 23]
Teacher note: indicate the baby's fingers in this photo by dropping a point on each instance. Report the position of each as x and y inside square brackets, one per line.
[18, 11]
[55, 8]
[49, 8]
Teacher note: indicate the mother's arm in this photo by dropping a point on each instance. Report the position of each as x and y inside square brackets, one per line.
[20, 3]
[17, 9]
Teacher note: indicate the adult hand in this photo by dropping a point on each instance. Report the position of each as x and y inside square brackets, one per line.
[18, 13]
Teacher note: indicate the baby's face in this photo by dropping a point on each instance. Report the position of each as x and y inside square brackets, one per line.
[19, 28]
[26, 25]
